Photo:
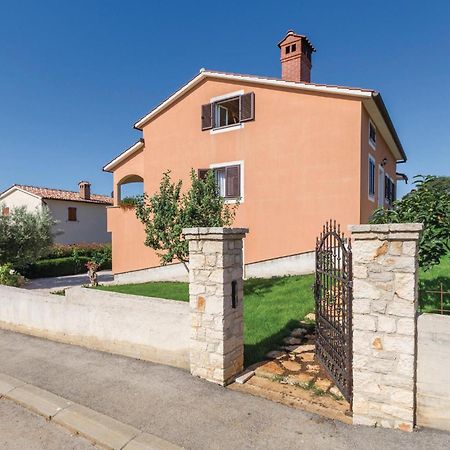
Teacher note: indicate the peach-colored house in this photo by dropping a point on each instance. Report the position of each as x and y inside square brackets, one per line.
[296, 153]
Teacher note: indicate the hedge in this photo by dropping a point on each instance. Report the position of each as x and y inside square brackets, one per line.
[59, 267]
[83, 249]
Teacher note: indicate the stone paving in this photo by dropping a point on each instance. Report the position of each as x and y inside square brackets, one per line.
[293, 376]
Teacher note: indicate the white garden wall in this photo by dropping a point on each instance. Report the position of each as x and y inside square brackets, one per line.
[146, 328]
[433, 371]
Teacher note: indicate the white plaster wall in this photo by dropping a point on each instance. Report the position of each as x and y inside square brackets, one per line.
[433, 371]
[19, 198]
[147, 328]
[89, 227]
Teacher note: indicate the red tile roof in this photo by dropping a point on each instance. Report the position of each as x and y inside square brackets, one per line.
[59, 194]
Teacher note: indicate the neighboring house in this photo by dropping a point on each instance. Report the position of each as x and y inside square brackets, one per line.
[80, 216]
[296, 153]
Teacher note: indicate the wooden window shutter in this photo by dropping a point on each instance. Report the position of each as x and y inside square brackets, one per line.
[248, 107]
[207, 116]
[233, 180]
[72, 214]
[201, 173]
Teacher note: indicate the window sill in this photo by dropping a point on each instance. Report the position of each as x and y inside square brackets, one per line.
[238, 126]
[372, 199]
[233, 201]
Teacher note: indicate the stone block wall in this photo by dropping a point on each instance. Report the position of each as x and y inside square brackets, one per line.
[217, 328]
[385, 277]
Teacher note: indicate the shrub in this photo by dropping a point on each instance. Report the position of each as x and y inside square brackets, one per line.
[427, 203]
[168, 211]
[59, 267]
[9, 277]
[129, 202]
[82, 249]
[25, 236]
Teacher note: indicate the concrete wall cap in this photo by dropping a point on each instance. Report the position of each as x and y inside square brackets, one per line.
[196, 232]
[386, 228]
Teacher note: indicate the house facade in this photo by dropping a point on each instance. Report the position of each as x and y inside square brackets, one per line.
[80, 216]
[294, 152]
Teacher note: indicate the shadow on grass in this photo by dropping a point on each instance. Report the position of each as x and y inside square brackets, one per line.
[261, 286]
[254, 353]
[429, 301]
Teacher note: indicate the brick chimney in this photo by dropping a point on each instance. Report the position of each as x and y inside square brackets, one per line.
[296, 52]
[84, 188]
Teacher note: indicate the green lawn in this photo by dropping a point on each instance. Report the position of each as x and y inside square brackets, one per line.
[431, 281]
[272, 307]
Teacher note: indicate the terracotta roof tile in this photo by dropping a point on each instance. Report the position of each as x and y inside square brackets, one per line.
[59, 194]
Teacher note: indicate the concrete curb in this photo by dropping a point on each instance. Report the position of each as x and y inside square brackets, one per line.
[96, 427]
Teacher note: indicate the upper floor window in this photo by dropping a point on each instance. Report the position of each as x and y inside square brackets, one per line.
[228, 179]
[372, 135]
[228, 111]
[371, 178]
[72, 214]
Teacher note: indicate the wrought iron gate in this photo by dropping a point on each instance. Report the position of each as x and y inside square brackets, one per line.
[333, 295]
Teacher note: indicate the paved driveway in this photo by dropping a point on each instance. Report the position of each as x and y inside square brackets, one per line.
[56, 283]
[185, 410]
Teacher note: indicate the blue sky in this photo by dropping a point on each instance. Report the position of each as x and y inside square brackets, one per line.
[75, 76]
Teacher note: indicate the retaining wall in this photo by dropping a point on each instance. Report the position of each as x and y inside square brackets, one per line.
[300, 264]
[146, 328]
[433, 371]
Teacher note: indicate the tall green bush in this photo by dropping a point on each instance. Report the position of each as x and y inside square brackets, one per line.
[167, 212]
[427, 203]
[25, 236]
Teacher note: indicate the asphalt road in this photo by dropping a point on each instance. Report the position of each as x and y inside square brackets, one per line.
[187, 411]
[20, 429]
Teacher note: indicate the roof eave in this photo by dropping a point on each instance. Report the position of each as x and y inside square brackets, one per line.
[384, 112]
[124, 155]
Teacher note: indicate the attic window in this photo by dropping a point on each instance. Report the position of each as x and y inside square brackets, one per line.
[288, 49]
[293, 47]
[228, 112]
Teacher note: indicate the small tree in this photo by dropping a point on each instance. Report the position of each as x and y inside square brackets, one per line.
[428, 203]
[25, 236]
[168, 211]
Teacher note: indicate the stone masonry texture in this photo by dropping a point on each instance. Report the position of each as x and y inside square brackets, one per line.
[217, 329]
[385, 295]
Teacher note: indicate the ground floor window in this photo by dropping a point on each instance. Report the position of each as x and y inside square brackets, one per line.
[228, 179]
[371, 178]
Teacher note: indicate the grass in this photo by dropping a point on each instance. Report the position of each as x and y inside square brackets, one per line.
[431, 280]
[171, 290]
[272, 307]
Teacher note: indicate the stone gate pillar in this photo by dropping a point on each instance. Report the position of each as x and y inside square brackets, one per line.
[385, 295]
[216, 295]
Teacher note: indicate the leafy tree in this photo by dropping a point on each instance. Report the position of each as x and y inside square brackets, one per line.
[427, 203]
[167, 212]
[441, 184]
[25, 236]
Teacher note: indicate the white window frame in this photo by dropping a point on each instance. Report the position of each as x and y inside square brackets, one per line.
[241, 175]
[372, 143]
[380, 191]
[371, 159]
[220, 98]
